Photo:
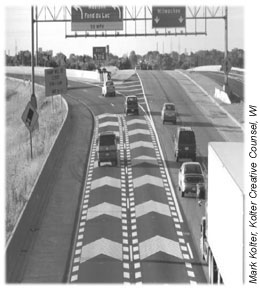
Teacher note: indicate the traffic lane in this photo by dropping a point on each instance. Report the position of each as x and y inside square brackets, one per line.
[99, 233]
[162, 260]
[91, 95]
[55, 205]
[188, 114]
[236, 85]
[167, 89]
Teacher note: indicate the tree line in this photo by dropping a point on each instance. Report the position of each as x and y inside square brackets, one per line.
[151, 60]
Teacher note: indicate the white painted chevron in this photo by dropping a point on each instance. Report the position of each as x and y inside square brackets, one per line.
[101, 246]
[138, 131]
[108, 123]
[144, 159]
[138, 144]
[147, 179]
[159, 244]
[106, 115]
[152, 206]
[106, 180]
[136, 121]
[104, 208]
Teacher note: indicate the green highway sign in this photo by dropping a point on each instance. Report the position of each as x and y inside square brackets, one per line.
[96, 18]
[168, 16]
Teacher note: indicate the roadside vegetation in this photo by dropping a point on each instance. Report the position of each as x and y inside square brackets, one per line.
[22, 171]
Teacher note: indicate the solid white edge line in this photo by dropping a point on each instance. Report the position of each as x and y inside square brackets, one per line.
[160, 149]
[190, 251]
[213, 100]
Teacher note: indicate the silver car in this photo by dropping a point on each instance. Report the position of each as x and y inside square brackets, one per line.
[191, 178]
[169, 113]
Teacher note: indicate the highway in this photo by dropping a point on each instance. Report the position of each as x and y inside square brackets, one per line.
[128, 224]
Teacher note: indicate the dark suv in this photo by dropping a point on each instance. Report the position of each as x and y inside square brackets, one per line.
[107, 148]
[131, 105]
[185, 144]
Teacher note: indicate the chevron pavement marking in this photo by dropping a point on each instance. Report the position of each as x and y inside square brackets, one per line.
[108, 123]
[152, 206]
[106, 115]
[101, 246]
[138, 131]
[107, 180]
[136, 121]
[138, 144]
[147, 179]
[104, 208]
[144, 159]
[159, 244]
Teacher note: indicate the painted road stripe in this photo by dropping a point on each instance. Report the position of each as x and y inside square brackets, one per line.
[152, 206]
[138, 144]
[101, 246]
[147, 179]
[106, 180]
[159, 244]
[104, 208]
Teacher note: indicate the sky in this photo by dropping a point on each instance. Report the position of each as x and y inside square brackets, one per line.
[52, 35]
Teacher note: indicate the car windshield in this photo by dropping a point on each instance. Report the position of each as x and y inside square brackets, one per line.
[187, 137]
[107, 140]
[192, 169]
[170, 107]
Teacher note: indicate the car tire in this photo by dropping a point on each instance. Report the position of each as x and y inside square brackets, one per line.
[177, 159]
[182, 193]
[98, 163]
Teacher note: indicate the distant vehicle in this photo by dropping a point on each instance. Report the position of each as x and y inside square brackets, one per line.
[185, 144]
[169, 113]
[107, 148]
[108, 88]
[191, 178]
[131, 105]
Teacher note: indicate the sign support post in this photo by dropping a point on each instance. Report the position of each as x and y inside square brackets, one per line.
[31, 144]
[32, 59]
[226, 88]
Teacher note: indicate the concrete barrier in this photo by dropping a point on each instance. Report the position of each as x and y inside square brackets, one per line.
[39, 71]
[221, 95]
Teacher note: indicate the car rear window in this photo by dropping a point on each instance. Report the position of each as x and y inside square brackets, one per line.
[170, 107]
[187, 137]
[131, 99]
[192, 169]
[107, 140]
[194, 179]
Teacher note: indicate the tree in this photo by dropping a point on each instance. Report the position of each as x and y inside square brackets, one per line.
[133, 59]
